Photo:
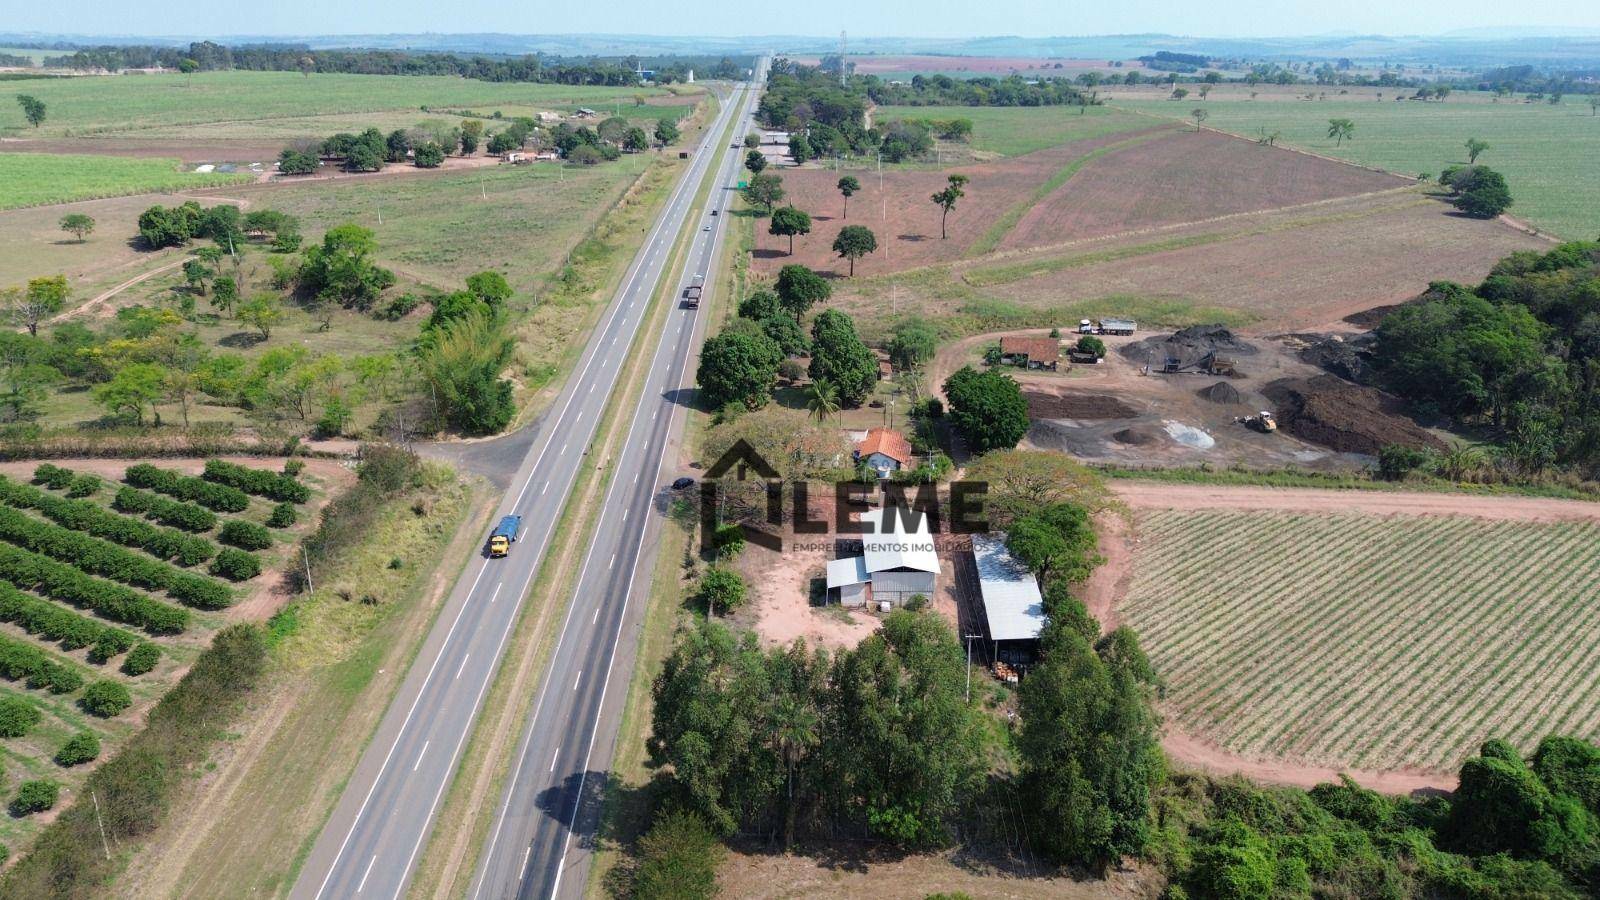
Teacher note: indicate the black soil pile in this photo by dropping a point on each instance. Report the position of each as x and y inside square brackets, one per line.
[1191, 347]
[1350, 359]
[1369, 318]
[1345, 417]
[1138, 436]
[1076, 406]
[1221, 392]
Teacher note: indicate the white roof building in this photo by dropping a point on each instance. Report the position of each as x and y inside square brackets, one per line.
[896, 563]
[1011, 600]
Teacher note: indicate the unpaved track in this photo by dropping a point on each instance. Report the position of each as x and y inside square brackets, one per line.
[1109, 584]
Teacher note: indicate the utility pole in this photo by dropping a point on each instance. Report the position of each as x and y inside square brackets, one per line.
[970, 638]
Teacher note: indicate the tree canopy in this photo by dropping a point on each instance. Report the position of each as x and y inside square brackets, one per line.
[987, 408]
[840, 356]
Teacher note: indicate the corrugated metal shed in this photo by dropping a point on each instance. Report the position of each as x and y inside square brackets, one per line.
[891, 546]
[1011, 600]
[841, 572]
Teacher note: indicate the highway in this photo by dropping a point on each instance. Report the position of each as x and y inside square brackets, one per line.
[540, 843]
[383, 818]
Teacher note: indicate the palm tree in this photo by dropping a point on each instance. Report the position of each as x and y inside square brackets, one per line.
[794, 730]
[823, 401]
[1460, 461]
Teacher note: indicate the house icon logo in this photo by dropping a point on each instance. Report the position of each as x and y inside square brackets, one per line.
[747, 467]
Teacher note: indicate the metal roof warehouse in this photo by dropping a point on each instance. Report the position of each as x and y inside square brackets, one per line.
[1011, 600]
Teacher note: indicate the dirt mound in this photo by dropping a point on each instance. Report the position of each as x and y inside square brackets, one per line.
[1191, 347]
[1221, 392]
[1350, 359]
[1346, 417]
[1369, 318]
[1137, 436]
[1076, 406]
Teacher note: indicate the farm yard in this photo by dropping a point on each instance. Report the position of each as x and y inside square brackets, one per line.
[1414, 637]
[1549, 154]
[114, 576]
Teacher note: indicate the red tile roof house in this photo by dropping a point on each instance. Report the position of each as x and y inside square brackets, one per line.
[1031, 352]
[885, 450]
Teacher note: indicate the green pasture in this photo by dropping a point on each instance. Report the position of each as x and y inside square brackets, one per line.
[30, 179]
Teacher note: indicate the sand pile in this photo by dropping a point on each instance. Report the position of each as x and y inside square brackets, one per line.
[1345, 417]
[1221, 392]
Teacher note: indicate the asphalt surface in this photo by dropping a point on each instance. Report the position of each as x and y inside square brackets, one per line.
[541, 841]
[371, 841]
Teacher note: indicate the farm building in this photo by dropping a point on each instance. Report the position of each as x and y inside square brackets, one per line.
[1012, 606]
[895, 564]
[1031, 352]
[885, 450]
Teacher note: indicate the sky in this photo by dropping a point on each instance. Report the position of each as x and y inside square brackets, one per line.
[897, 18]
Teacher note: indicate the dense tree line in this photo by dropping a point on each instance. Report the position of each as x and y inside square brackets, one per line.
[1520, 354]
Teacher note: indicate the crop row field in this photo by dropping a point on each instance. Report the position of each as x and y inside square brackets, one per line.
[33, 179]
[1367, 641]
[109, 590]
[1550, 154]
[135, 103]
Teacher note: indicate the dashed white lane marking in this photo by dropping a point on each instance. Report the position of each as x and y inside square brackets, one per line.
[578, 680]
[596, 616]
[613, 563]
[463, 665]
[525, 854]
[553, 757]
[496, 592]
[563, 449]
[366, 873]
[421, 755]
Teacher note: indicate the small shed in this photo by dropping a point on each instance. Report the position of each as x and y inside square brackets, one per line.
[1013, 608]
[849, 577]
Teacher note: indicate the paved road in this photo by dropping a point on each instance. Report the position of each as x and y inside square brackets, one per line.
[386, 812]
[540, 843]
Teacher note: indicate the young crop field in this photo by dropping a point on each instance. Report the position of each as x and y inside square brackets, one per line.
[1550, 154]
[32, 179]
[150, 103]
[1017, 130]
[1374, 642]
[113, 577]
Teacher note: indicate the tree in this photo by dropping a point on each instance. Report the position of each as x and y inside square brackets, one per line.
[752, 141]
[584, 155]
[839, 356]
[262, 312]
[25, 373]
[1483, 193]
[1200, 114]
[428, 155]
[799, 289]
[33, 109]
[1501, 806]
[341, 270]
[43, 298]
[800, 148]
[132, 389]
[721, 588]
[822, 400]
[946, 199]
[1475, 147]
[738, 365]
[848, 187]
[1056, 540]
[755, 161]
[79, 224]
[987, 408]
[913, 344]
[1091, 344]
[224, 293]
[471, 134]
[296, 162]
[787, 222]
[635, 140]
[678, 859]
[1594, 104]
[1341, 130]
[666, 131]
[105, 698]
[196, 274]
[765, 189]
[854, 242]
[363, 158]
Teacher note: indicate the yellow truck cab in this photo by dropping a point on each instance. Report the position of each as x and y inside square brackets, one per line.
[504, 535]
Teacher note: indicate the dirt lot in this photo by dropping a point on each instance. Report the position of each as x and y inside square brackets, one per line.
[771, 876]
[1185, 177]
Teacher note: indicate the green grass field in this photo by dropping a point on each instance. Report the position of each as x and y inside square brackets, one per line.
[146, 104]
[1015, 130]
[30, 179]
[1550, 155]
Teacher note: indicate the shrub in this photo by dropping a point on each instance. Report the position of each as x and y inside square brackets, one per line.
[1091, 344]
[105, 699]
[678, 858]
[721, 589]
[34, 796]
[186, 516]
[53, 477]
[17, 717]
[80, 748]
[64, 582]
[82, 515]
[257, 481]
[52, 622]
[21, 661]
[83, 486]
[141, 659]
[218, 497]
[236, 565]
[283, 515]
[293, 467]
[245, 535]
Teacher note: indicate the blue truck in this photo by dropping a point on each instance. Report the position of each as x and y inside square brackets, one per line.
[504, 535]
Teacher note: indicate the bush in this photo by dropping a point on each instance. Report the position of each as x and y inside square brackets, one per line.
[105, 699]
[293, 467]
[283, 516]
[80, 748]
[1091, 344]
[52, 622]
[245, 535]
[83, 486]
[186, 516]
[82, 515]
[218, 497]
[34, 796]
[64, 582]
[21, 661]
[17, 717]
[236, 565]
[678, 859]
[53, 477]
[141, 659]
[721, 589]
[262, 483]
